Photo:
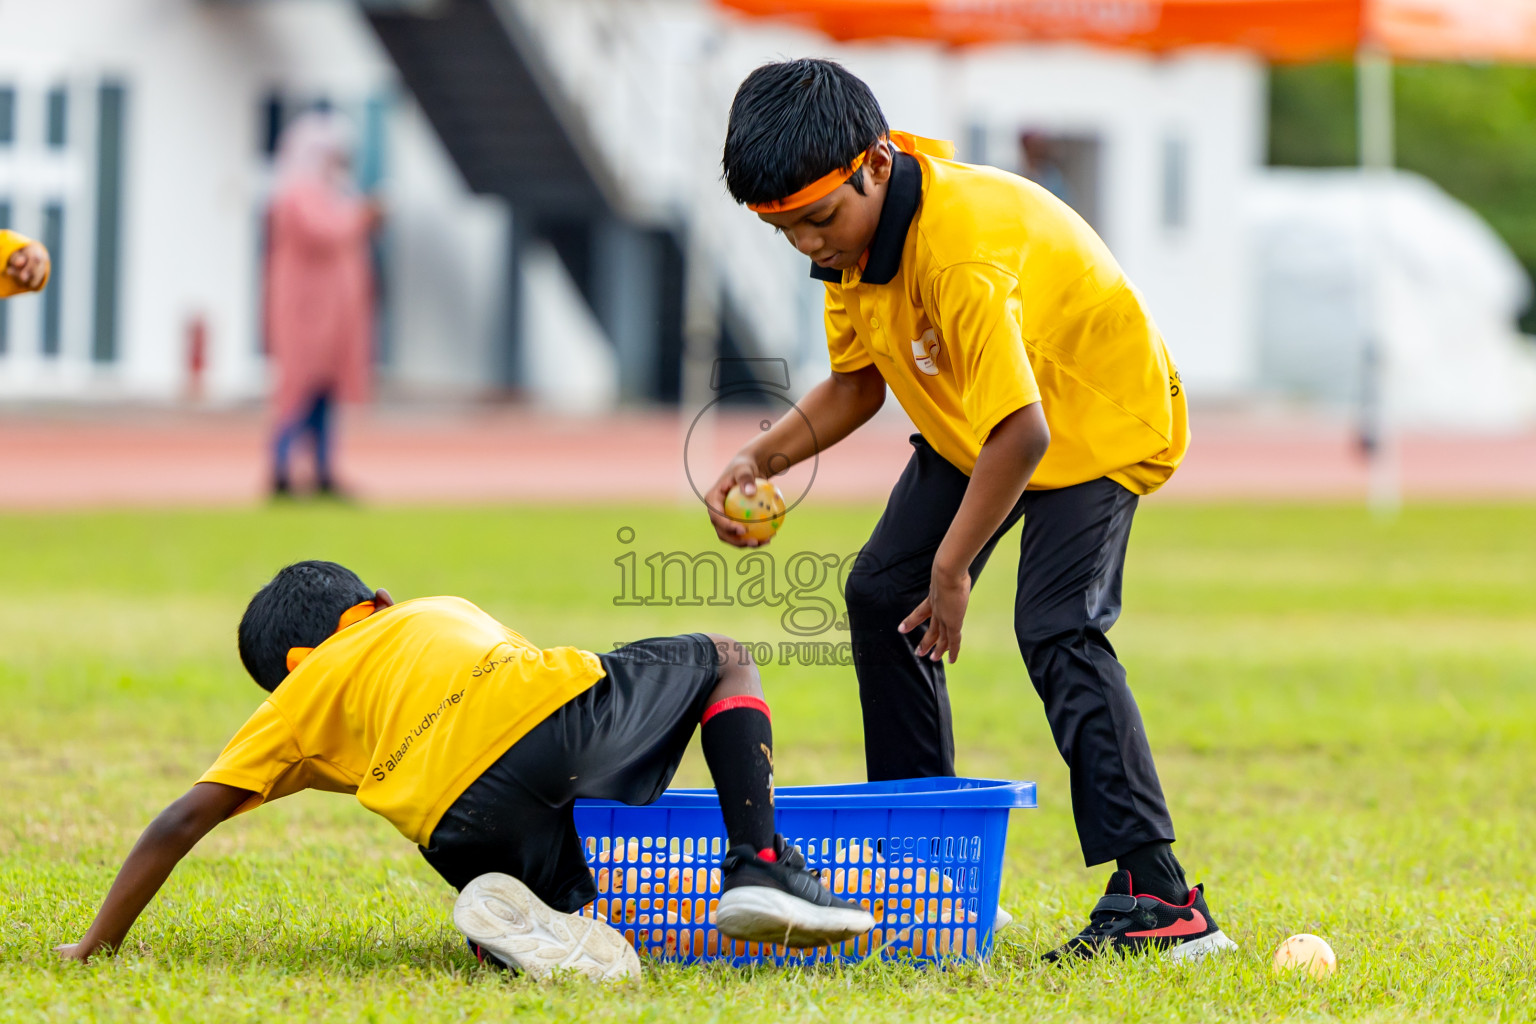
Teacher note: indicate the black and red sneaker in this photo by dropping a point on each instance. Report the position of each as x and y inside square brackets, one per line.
[782, 901]
[1128, 923]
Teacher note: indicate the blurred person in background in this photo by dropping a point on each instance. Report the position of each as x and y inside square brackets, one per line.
[319, 292]
[24, 265]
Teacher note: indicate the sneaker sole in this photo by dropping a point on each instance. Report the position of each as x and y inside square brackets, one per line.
[502, 916]
[1198, 949]
[756, 913]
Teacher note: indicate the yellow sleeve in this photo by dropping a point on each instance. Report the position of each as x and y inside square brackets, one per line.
[843, 345]
[978, 311]
[10, 241]
[263, 757]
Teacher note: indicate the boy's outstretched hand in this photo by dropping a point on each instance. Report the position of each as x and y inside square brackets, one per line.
[167, 839]
[28, 266]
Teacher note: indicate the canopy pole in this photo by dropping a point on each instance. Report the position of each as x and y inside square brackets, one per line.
[1378, 441]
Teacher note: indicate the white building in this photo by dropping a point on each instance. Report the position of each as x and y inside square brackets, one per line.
[1160, 150]
[137, 135]
[135, 138]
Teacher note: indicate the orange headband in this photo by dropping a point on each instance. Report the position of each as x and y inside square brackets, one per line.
[818, 189]
[357, 613]
[828, 183]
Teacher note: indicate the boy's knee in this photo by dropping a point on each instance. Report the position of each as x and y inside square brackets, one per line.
[856, 591]
[1037, 639]
[867, 591]
[1044, 643]
[729, 652]
[736, 671]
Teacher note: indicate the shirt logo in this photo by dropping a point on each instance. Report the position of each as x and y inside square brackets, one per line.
[925, 350]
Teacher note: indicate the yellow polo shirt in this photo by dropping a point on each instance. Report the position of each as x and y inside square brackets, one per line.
[405, 709]
[1005, 297]
[10, 241]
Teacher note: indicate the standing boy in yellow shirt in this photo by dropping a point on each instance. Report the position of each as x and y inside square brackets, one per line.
[24, 264]
[1041, 389]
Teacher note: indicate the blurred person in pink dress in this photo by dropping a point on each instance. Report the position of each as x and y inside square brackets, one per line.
[319, 292]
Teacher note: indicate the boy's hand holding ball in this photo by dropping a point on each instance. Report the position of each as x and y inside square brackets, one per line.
[746, 508]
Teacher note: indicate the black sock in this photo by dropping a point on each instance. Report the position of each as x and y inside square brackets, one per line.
[1155, 871]
[738, 745]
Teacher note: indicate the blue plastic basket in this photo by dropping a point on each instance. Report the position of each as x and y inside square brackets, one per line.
[924, 856]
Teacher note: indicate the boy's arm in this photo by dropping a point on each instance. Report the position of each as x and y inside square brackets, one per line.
[1008, 459]
[167, 839]
[978, 308]
[830, 412]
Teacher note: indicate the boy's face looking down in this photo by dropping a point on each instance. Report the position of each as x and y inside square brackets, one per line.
[835, 230]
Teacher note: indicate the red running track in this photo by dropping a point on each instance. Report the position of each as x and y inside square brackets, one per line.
[63, 459]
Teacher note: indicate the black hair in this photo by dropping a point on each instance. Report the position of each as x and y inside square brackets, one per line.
[793, 122]
[299, 608]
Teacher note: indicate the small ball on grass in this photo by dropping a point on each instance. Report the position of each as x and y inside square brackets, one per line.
[1306, 952]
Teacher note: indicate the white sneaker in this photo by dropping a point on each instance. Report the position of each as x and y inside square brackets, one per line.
[500, 914]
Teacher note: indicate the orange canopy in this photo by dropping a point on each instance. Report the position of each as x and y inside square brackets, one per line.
[1277, 29]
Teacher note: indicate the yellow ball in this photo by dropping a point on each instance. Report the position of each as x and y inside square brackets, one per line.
[1306, 952]
[761, 513]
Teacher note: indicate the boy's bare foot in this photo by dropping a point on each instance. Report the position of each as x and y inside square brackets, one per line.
[501, 916]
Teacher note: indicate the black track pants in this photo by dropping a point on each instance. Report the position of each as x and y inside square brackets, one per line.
[1070, 565]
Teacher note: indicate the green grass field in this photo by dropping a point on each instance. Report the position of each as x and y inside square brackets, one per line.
[1343, 712]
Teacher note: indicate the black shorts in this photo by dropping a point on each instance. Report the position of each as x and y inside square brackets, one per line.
[620, 740]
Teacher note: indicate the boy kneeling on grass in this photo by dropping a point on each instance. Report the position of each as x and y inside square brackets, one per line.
[475, 744]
